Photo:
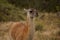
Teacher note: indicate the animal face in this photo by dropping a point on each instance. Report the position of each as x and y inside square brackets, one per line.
[32, 12]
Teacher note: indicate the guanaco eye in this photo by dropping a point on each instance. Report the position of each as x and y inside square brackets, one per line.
[31, 11]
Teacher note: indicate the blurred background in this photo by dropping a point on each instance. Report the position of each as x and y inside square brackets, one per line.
[47, 23]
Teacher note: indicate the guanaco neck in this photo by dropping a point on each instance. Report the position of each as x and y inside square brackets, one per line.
[30, 22]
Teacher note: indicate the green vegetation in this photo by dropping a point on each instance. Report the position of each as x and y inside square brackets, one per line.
[9, 12]
[42, 5]
[39, 28]
[47, 24]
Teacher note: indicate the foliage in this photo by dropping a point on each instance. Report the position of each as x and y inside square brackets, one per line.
[42, 5]
[9, 12]
[39, 28]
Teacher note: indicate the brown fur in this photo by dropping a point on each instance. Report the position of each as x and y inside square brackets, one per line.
[24, 31]
[19, 31]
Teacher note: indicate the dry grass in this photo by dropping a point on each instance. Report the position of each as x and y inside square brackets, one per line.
[48, 28]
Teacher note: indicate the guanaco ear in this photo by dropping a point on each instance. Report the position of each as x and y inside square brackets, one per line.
[26, 10]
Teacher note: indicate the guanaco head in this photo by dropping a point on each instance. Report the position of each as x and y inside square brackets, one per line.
[31, 12]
